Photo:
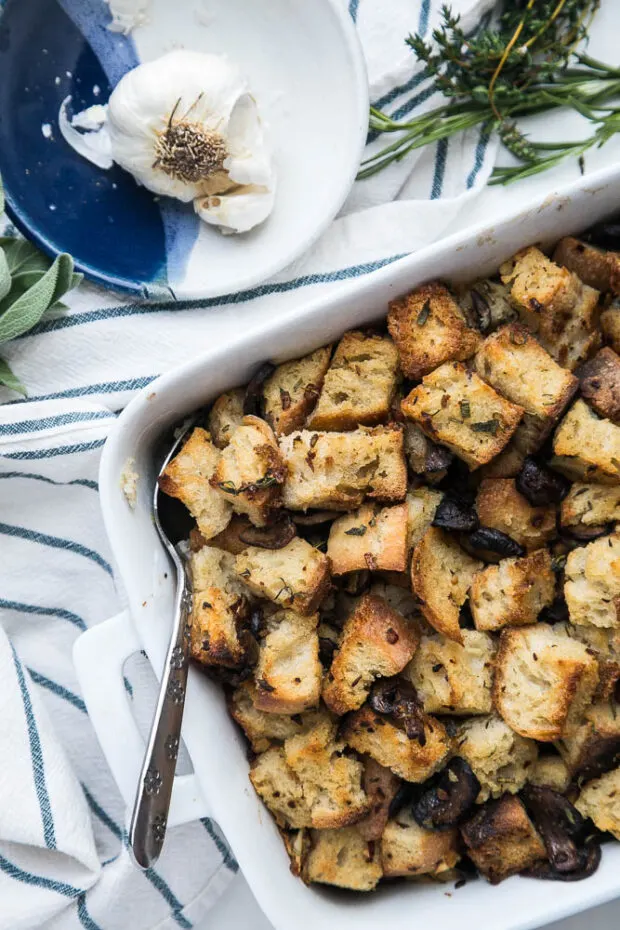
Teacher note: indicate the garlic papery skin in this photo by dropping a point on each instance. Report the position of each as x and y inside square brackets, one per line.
[127, 14]
[186, 126]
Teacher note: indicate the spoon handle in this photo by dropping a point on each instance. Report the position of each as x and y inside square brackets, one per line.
[150, 814]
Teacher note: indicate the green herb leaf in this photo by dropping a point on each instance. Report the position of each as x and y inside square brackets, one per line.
[5, 276]
[465, 409]
[486, 426]
[424, 313]
[8, 379]
[356, 531]
[17, 316]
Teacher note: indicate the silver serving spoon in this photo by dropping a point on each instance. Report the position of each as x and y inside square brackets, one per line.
[150, 814]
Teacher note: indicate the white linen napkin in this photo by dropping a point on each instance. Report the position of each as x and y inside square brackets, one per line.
[63, 858]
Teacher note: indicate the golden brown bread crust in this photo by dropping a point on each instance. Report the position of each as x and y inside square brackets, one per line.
[593, 266]
[600, 800]
[500, 759]
[587, 448]
[373, 538]
[589, 505]
[288, 673]
[441, 575]
[296, 576]
[543, 681]
[250, 472]
[454, 678]
[428, 328]
[372, 734]
[501, 507]
[261, 729]
[408, 849]
[343, 858]
[595, 746]
[359, 385]
[599, 383]
[225, 416]
[610, 327]
[592, 583]
[187, 477]
[512, 593]
[291, 392]
[501, 839]
[377, 641]
[456, 408]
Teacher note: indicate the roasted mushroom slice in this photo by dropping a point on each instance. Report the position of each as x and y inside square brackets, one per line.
[540, 485]
[253, 399]
[572, 853]
[456, 514]
[489, 540]
[276, 535]
[447, 799]
[398, 699]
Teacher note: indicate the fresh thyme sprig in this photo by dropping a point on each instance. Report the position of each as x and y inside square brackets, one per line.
[519, 67]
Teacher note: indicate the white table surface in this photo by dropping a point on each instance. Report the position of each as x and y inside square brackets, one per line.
[237, 909]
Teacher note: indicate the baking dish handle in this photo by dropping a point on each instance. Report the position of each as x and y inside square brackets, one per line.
[99, 656]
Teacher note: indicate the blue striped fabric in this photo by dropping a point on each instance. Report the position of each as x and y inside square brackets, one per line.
[36, 752]
[77, 482]
[21, 427]
[58, 690]
[229, 860]
[440, 168]
[36, 454]
[29, 878]
[353, 6]
[55, 542]
[59, 612]
[85, 390]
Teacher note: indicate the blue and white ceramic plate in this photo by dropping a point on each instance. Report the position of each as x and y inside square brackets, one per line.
[305, 67]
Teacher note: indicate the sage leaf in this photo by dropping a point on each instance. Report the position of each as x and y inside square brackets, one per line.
[8, 379]
[5, 276]
[20, 315]
[22, 256]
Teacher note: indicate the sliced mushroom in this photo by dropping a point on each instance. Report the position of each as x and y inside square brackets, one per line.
[540, 485]
[315, 517]
[588, 533]
[492, 540]
[253, 399]
[573, 854]
[356, 583]
[276, 536]
[454, 513]
[448, 798]
[398, 699]
[605, 235]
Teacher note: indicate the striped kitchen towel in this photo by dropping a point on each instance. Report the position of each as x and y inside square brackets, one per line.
[63, 856]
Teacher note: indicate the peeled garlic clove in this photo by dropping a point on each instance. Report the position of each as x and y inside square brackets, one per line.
[238, 211]
[94, 144]
[249, 161]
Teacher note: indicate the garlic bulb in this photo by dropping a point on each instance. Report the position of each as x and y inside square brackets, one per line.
[186, 126]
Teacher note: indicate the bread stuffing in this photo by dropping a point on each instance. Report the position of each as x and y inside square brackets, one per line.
[405, 561]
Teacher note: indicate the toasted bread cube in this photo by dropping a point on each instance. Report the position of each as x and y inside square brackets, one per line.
[590, 505]
[594, 747]
[604, 644]
[514, 363]
[288, 673]
[425, 457]
[600, 801]
[486, 304]
[220, 612]
[331, 780]
[428, 328]
[441, 575]
[499, 758]
[251, 472]
[501, 839]
[554, 303]
[599, 383]
[451, 678]
[336, 471]
[610, 327]
[593, 266]
[374, 735]
[372, 538]
[225, 416]
[422, 504]
[501, 507]
[187, 478]
[359, 385]
[343, 858]
[512, 593]
[261, 729]
[592, 583]
[456, 408]
[297, 844]
[291, 392]
[549, 772]
[528, 437]
[376, 642]
[296, 576]
[587, 448]
[543, 682]
[279, 788]
[409, 849]
[381, 787]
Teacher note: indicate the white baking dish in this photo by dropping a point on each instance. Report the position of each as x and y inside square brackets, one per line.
[217, 750]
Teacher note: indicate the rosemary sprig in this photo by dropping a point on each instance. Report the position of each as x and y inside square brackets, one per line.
[523, 65]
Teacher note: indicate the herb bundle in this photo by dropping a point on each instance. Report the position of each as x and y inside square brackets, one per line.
[30, 285]
[523, 64]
